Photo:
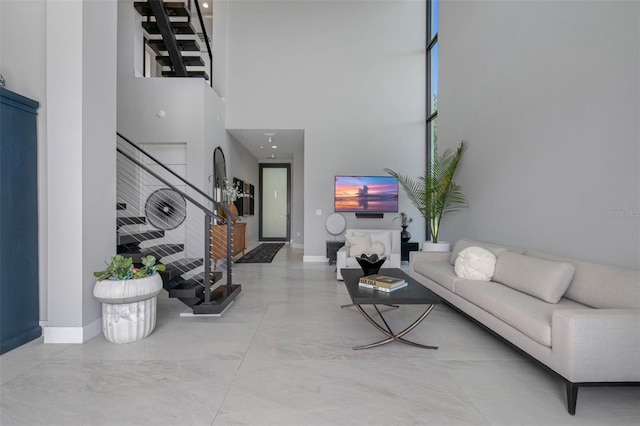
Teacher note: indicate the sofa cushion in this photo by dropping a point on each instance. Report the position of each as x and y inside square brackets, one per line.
[475, 263]
[527, 314]
[463, 244]
[384, 238]
[440, 272]
[600, 286]
[545, 279]
[358, 244]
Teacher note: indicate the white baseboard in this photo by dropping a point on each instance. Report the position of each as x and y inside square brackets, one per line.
[314, 259]
[72, 334]
[296, 245]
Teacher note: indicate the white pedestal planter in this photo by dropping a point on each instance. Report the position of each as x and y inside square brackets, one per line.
[128, 307]
[436, 247]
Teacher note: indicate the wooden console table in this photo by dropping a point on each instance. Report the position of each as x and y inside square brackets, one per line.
[219, 241]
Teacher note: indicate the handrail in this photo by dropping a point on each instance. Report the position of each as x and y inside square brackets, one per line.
[206, 41]
[216, 204]
[166, 182]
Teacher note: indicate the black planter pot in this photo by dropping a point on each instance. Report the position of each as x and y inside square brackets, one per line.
[405, 235]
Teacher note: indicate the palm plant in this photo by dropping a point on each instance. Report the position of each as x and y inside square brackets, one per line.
[435, 194]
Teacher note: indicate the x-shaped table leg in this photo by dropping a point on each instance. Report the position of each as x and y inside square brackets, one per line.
[390, 335]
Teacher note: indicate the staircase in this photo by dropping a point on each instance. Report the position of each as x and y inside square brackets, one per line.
[174, 35]
[183, 249]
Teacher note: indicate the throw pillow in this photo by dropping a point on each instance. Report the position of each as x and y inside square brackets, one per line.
[377, 248]
[475, 263]
[358, 245]
[383, 237]
[463, 244]
[545, 279]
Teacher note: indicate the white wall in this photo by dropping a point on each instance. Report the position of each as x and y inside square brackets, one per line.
[219, 47]
[81, 82]
[242, 165]
[99, 54]
[351, 74]
[547, 93]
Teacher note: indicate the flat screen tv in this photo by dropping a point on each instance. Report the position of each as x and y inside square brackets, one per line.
[374, 194]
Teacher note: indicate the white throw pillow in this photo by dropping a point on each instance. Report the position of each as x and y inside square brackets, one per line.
[383, 237]
[377, 248]
[545, 279]
[358, 245]
[475, 263]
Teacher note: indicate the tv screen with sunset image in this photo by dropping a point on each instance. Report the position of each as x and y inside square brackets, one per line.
[375, 194]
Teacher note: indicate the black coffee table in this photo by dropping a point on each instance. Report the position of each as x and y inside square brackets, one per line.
[413, 294]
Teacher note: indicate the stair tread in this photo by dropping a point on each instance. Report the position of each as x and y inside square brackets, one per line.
[158, 251]
[198, 74]
[136, 237]
[159, 46]
[172, 8]
[171, 277]
[131, 220]
[181, 27]
[190, 61]
[197, 279]
[193, 287]
[162, 250]
[221, 297]
[184, 265]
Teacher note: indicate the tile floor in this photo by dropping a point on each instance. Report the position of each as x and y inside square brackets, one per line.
[281, 355]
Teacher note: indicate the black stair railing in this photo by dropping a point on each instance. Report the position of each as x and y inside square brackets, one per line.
[206, 41]
[210, 215]
[216, 205]
[168, 29]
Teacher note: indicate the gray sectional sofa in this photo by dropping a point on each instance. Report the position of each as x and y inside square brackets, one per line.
[580, 319]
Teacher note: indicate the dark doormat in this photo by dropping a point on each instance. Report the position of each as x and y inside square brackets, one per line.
[264, 253]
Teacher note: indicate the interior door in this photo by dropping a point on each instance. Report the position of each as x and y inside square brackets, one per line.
[275, 200]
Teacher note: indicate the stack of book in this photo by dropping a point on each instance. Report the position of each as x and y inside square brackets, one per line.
[382, 282]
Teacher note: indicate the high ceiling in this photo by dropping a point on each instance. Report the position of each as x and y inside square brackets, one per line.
[256, 141]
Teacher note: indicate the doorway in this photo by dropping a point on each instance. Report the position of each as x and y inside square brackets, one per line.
[275, 202]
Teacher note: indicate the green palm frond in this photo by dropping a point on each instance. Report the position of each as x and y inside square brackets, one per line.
[435, 195]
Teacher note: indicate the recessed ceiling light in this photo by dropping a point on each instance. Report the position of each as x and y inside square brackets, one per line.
[261, 147]
[274, 146]
[205, 5]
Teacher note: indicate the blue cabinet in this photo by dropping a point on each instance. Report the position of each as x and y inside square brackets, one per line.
[19, 295]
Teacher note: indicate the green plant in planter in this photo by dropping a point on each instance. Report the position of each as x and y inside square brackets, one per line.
[122, 268]
[435, 194]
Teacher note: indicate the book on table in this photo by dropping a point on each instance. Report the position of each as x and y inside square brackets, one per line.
[382, 281]
[383, 289]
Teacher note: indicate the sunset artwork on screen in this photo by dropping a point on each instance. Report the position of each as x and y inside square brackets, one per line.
[377, 194]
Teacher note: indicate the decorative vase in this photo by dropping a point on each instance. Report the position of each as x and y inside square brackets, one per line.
[405, 235]
[370, 264]
[128, 307]
[232, 208]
